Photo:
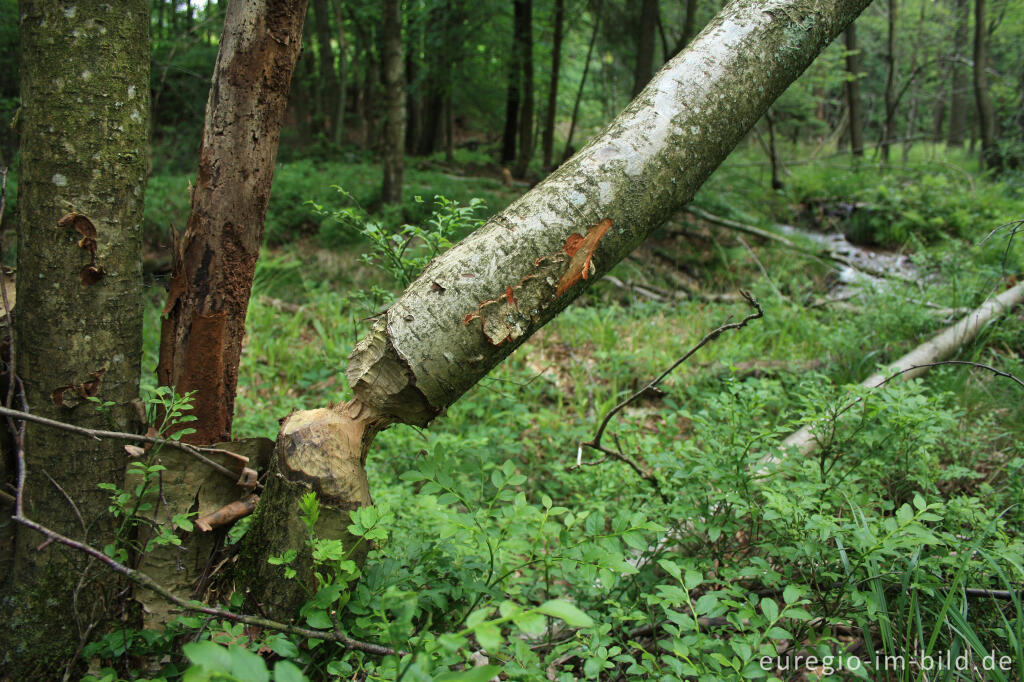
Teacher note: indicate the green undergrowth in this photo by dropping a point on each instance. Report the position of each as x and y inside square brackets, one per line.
[701, 551]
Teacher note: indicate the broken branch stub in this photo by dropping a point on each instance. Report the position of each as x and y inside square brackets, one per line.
[476, 303]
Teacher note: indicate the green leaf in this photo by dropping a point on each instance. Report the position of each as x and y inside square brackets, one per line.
[559, 608]
[790, 594]
[248, 666]
[282, 646]
[770, 609]
[530, 622]
[489, 636]
[211, 656]
[286, 671]
[478, 674]
[318, 619]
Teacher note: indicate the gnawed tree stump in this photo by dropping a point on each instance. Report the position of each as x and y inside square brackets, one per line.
[321, 451]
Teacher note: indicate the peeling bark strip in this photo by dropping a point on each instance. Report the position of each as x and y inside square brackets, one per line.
[422, 354]
[216, 258]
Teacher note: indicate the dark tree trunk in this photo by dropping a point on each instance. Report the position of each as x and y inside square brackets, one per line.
[645, 45]
[339, 126]
[556, 64]
[513, 96]
[568, 151]
[328, 76]
[958, 96]
[214, 262]
[412, 92]
[524, 45]
[890, 81]
[394, 85]
[853, 103]
[78, 322]
[990, 157]
[689, 24]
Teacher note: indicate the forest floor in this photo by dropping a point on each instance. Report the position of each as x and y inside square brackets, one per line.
[693, 561]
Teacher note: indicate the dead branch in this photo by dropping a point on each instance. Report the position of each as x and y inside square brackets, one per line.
[99, 434]
[929, 354]
[595, 442]
[228, 513]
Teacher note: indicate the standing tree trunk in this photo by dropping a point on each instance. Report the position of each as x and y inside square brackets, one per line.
[339, 125]
[512, 97]
[394, 85]
[328, 76]
[990, 157]
[645, 45]
[214, 262]
[78, 330]
[689, 24]
[853, 103]
[890, 82]
[479, 301]
[524, 46]
[959, 85]
[556, 64]
[568, 151]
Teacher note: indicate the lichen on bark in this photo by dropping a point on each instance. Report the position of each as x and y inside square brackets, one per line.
[422, 354]
[84, 118]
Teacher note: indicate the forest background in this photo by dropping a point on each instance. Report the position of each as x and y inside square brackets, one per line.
[900, 536]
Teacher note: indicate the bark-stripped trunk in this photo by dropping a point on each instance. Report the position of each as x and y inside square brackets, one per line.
[479, 301]
[958, 92]
[556, 64]
[990, 157]
[78, 328]
[524, 46]
[394, 85]
[201, 337]
[853, 92]
[645, 45]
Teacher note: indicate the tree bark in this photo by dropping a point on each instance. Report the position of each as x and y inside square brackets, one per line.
[548, 142]
[568, 151]
[512, 97]
[645, 45]
[990, 157]
[959, 85]
[480, 300]
[890, 81]
[201, 336]
[853, 102]
[394, 84]
[339, 125]
[476, 303]
[78, 331]
[524, 46]
[689, 24]
[328, 76]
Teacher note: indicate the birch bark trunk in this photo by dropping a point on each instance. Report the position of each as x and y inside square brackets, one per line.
[476, 303]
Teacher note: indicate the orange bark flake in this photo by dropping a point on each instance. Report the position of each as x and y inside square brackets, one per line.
[580, 250]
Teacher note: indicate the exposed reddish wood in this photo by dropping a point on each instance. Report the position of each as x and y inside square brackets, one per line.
[214, 261]
[228, 513]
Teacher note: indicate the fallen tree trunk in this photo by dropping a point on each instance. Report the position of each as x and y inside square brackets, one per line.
[479, 301]
[939, 347]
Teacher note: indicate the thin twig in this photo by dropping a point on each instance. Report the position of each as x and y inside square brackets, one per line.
[99, 434]
[595, 442]
[144, 581]
[762, 268]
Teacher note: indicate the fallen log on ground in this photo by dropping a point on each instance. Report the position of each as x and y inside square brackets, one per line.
[939, 347]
